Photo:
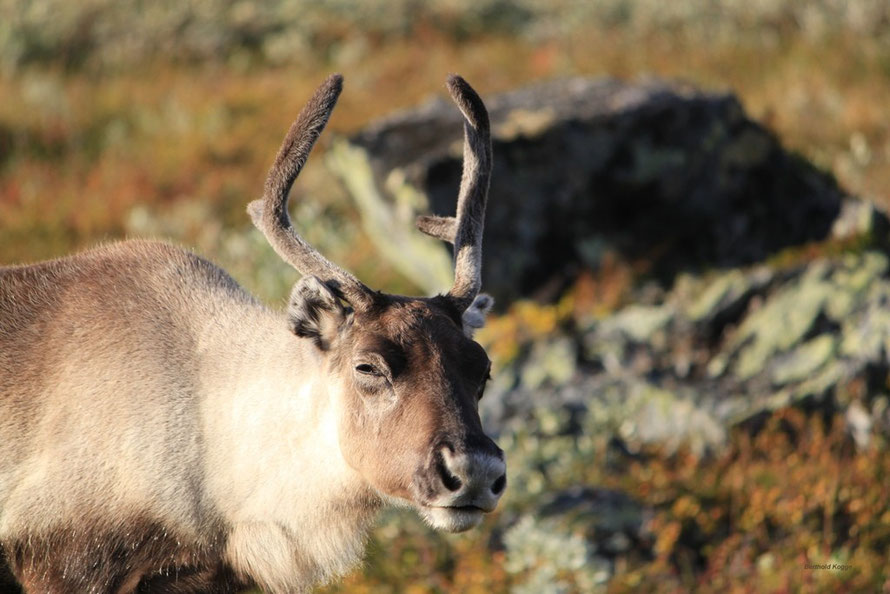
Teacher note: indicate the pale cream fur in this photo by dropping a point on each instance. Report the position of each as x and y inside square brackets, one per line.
[254, 416]
[299, 511]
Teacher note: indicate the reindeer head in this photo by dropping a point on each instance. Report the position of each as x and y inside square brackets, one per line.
[406, 376]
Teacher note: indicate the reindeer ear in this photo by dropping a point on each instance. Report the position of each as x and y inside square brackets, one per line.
[315, 311]
[474, 316]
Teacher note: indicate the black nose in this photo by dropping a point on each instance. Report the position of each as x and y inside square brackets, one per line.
[451, 482]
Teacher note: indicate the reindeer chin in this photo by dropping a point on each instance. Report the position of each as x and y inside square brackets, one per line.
[452, 519]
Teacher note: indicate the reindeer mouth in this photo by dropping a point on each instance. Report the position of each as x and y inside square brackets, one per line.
[466, 508]
[452, 518]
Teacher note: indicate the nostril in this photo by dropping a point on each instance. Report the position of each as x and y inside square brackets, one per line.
[451, 482]
[499, 484]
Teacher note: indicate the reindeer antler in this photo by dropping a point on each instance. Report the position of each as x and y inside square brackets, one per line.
[270, 213]
[465, 230]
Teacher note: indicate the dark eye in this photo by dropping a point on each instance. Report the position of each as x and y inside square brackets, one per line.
[483, 384]
[366, 369]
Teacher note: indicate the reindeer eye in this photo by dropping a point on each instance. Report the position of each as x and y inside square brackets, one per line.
[481, 391]
[483, 384]
[366, 369]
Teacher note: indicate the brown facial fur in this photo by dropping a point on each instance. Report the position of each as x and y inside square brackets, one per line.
[427, 400]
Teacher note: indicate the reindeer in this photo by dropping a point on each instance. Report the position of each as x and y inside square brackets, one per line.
[163, 431]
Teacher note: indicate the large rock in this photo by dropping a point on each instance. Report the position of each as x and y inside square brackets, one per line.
[649, 169]
[716, 351]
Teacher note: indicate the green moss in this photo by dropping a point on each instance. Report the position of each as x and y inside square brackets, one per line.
[780, 323]
[725, 288]
[805, 360]
[640, 322]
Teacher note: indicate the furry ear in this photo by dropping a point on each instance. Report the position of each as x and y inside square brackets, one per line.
[315, 311]
[474, 316]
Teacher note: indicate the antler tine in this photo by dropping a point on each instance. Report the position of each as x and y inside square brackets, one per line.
[465, 230]
[444, 228]
[270, 213]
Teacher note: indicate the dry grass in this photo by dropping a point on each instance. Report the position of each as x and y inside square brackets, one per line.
[78, 151]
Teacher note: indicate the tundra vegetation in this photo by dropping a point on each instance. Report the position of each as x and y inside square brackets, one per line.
[118, 122]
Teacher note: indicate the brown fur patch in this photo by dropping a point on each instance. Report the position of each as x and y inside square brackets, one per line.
[429, 400]
[8, 583]
[133, 556]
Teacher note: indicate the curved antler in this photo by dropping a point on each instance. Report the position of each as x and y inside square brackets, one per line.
[270, 213]
[465, 229]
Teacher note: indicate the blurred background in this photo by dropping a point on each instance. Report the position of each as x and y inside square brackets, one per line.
[690, 343]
